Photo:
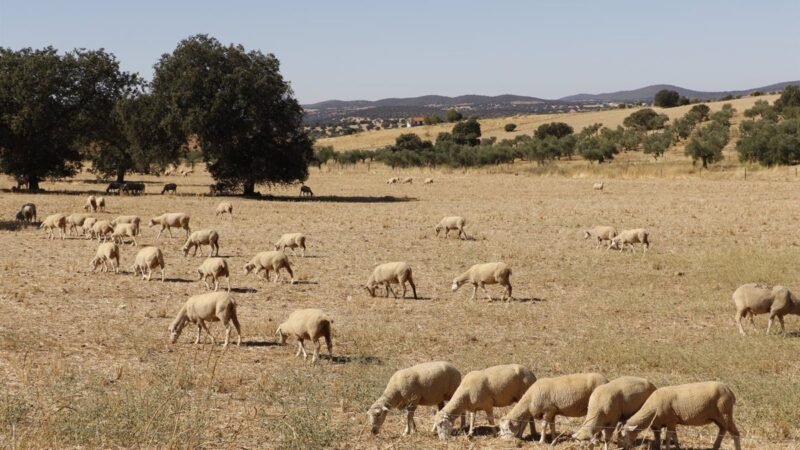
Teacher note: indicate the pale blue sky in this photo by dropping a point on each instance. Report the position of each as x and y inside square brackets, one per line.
[375, 49]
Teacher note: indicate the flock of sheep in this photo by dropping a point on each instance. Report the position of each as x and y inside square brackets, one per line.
[626, 405]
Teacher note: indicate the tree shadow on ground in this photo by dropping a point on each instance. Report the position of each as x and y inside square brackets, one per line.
[179, 280]
[336, 199]
[358, 359]
[244, 290]
[13, 225]
[260, 344]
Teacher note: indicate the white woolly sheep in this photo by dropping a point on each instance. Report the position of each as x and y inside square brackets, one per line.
[210, 307]
[86, 229]
[483, 274]
[451, 223]
[484, 390]
[128, 219]
[148, 259]
[426, 384]
[102, 229]
[694, 404]
[408, 180]
[388, 273]
[428, 181]
[309, 324]
[169, 221]
[547, 398]
[292, 240]
[214, 268]
[598, 186]
[55, 221]
[27, 213]
[74, 221]
[601, 234]
[91, 204]
[612, 404]
[751, 299]
[200, 238]
[107, 253]
[393, 180]
[630, 237]
[224, 208]
[101, 203]
[124, 230]
[269, 261]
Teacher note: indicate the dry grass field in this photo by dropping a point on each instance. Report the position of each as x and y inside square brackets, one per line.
[85, 361]
[526, 124]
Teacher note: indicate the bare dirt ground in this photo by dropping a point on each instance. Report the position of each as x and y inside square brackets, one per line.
[85, 362]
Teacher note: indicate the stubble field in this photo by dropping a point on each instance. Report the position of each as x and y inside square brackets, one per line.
[85, 361]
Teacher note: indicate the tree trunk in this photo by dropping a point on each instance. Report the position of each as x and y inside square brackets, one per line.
[120, 175]
[705, 163]
[33, 183]
[249, 188]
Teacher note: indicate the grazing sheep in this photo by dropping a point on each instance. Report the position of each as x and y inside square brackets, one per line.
[224, 207]
[305, 190]
[186, 172]
[292, 240]
[107, 253]
[169, 221]
[86, 229]
[598, 186]
[210, 307]
[200, 238]
[269, 261]
[167, 172]
[124, 230]
[547, 398]
[169, 187]
[214, 268]
[428, 181]
[426, 384]
[101, 229]
[408, 180]
[114, 186]
[751, 299]
[128, 219]
[483, 274]
[148, 259]
[55, 221]
[101, 204]
[601, 233]
[91, 204]
[694, 404]
[27, 213]
[388, 273]
[393, 180]
[484, 390]
[309, 324]
[612, 404]
[132, 187]
[74, 221]
[451, 223]
[630, 237]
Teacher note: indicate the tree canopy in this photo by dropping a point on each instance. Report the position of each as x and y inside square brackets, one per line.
[467, 132]
[555, 129]
[646, 120]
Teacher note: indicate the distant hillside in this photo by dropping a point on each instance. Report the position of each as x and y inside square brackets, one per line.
[647, 93]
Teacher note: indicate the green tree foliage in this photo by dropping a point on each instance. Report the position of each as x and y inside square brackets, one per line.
[707, 142]
[724, 115]
[630, 139]
[770, 143]
[598, 144]
[467, 132]
[790, 98]
[646, 120]
[322, 155]
[762, 109]
[243, 113]
[656, 144]
[509, 127]
[702, 111]
[453, 115]
[666, 98]
[555, 129]
[432, 119]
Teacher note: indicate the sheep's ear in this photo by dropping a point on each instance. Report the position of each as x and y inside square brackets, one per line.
[629, 428]
[384, 408]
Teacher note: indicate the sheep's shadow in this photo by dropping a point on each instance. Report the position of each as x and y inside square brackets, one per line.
[13, 225]
[305, 282]
[358, 359]
[244, 290]
[521, 300]
[179, 280]
[335, 199]
[260, 344]
[793, 334]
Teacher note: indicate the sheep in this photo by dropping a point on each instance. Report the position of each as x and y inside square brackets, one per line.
[305, 190]
[101, 229]
[91, 204]
[123, 230]
[292, 240]
[107, 253]
[114, 186]
[388, 273]
[214, 268]
[484, 390]
[169, 221]
[612, 404]
[186, 172]
[269, 261]
[393, 180]
[751, 299]
[426, 384]
[428, 181]
[55, 221]
[694, 404]
[451, 223]
[598, 186]
[148, 259]
[74, 221]
[27, 213]
[630, 237]
[224, 207]
[601, 233]
[482, 274]
[86, 229]
[169, 187]
[408, 180]
[547, 398]
[167, 172]
[101, 204]
[209, 307]
[200, 238]
[128, 219]
[309, 324]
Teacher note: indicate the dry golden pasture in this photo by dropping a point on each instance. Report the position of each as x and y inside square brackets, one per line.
[85, 362]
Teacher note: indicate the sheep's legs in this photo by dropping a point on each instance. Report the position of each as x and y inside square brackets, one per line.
[739, 323]
[769, 324]
[411, 427]
[471, 423]
[488, 296]
[205, 280]
[302, 349]
[228, 280]
[474, 290]
[315, 356]
[490, 418]
[199, 329]
[389, 289]
[202, 324]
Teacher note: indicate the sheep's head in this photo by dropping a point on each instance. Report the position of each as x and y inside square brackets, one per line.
[94, 263]
[585, 433]
[20, 216]
[370, 289]
[437, 229]
[281, 335]
[587, 235]
[614, 243]
[509, 429]
[248, 268]
[444, 425]
[376, 415]
[456, 284]
[152, 223]
[628, 434]
[185, 249]
[175, 329]
[277, 247]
